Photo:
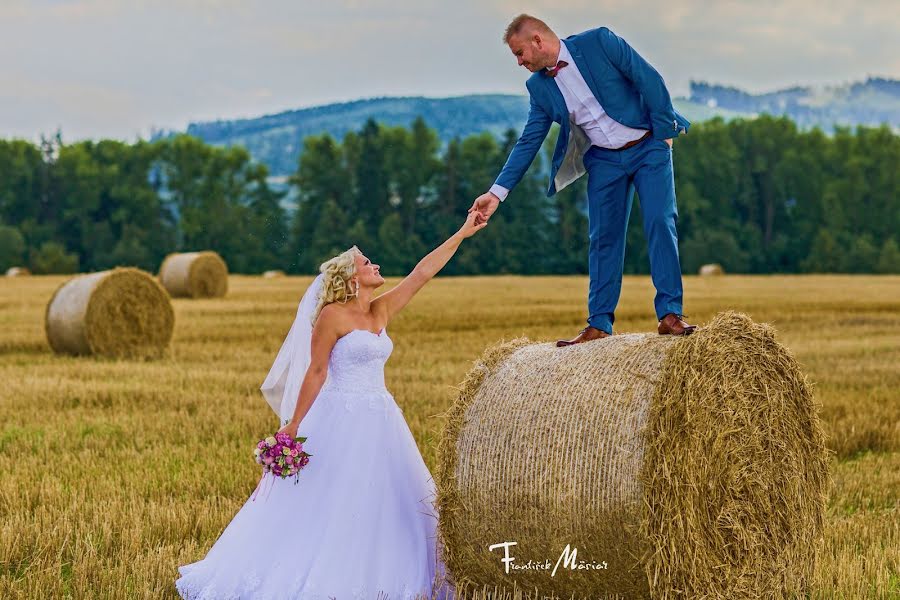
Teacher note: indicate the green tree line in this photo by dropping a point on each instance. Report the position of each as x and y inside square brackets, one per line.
[757, 196]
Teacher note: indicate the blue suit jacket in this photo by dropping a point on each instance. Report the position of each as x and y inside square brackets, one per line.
[628, 88]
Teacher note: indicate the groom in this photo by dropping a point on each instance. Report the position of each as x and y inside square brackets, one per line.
[616, 123]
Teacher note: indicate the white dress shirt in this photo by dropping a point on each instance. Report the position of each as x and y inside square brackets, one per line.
[584, 109]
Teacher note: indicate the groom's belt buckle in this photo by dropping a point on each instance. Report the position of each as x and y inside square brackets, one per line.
[633, 142]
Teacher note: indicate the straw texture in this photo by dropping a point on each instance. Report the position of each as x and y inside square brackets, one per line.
[692, 467]
[194, 275]
[123, 312]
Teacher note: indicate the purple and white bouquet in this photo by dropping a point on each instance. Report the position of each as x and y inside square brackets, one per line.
[281, 455]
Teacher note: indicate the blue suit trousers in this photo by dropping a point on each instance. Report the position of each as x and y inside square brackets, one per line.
[613, 176]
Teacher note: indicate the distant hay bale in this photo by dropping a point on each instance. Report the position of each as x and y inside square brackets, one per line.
[272, 274]
[194, 275]
[712, 269]
[694, 467]
[17, 272]
[123, 312]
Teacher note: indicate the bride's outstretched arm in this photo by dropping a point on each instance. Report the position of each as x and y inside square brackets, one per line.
[392, 301]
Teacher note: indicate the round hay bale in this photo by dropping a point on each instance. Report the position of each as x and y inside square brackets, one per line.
[17, 272]
[194, 275]
[689, 467]
[711, 269]
[123, 312]
[273, 274]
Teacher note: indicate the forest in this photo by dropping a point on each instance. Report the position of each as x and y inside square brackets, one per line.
[754, 195]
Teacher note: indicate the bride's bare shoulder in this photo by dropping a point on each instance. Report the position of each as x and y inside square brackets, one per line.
[330, 320]
[333, 312]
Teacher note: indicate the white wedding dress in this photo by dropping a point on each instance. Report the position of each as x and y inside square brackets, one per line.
[359, 525]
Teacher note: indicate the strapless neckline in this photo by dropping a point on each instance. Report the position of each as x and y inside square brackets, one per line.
[378, 335]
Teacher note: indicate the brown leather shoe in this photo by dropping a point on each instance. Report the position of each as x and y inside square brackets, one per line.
[585, 335]
[672, 324]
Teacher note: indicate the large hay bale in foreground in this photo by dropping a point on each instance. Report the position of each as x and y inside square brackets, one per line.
[194, 275]
[692, 467]
[123, 312]
[711, 269]
[17, 272]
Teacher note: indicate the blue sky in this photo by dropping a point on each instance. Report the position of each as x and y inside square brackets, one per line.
[103, 68]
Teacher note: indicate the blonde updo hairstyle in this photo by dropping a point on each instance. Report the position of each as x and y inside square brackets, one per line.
[336, 275]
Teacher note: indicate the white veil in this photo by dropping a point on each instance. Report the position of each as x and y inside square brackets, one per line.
[282, 384]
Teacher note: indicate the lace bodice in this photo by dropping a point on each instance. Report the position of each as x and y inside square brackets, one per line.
[356, 369]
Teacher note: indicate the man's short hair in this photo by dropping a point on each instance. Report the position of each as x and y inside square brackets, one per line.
[524, 21]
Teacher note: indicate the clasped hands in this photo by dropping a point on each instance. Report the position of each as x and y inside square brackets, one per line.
[484, 206]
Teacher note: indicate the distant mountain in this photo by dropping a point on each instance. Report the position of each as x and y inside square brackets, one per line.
[873, 102]
[276, 140]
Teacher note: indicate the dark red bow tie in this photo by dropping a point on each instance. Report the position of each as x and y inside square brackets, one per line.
[552, 72]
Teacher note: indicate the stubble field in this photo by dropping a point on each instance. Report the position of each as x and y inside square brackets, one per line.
[112, 473]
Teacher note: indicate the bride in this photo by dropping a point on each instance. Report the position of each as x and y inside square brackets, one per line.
[360, 523]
